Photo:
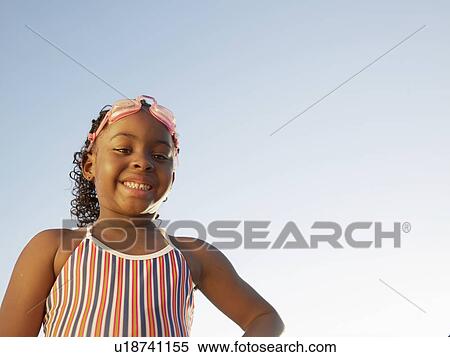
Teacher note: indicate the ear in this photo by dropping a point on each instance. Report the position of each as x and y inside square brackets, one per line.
[88, 166]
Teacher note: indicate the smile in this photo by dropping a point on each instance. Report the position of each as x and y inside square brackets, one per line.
[137, 186]
[136, 191]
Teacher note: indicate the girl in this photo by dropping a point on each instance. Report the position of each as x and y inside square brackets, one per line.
[118, 274]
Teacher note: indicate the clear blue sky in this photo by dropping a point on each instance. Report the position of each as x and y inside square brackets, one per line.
[376, 149]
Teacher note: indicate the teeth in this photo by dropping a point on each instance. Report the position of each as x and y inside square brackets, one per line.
[137, 186]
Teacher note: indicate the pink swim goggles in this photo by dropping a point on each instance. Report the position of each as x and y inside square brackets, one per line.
[125, 107]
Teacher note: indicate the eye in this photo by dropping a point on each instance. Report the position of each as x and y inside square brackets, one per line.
[160, 157]
[120, 150]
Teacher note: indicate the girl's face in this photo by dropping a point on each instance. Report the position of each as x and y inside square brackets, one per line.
[139, 146]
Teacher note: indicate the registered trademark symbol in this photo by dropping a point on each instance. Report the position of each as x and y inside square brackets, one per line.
[406, 227]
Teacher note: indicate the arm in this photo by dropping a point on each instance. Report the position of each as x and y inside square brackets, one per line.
[221, 284]
[22, 309]
[268, 324]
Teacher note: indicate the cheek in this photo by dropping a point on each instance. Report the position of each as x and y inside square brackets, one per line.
[106, 177]
[165, 179]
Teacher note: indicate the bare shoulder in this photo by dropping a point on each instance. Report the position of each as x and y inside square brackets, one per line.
[67, 240]
[187, 243]
[46, 242]
[191, 248]
[22, 308]
[57, 244]
[203, 250]
[202, 257]
[51, 240]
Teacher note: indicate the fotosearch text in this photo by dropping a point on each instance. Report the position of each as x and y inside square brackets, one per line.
[254, 234]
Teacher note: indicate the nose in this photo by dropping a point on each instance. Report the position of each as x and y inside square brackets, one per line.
[144, 163]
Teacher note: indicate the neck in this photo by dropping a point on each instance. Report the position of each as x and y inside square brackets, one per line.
[122, 228]
[128, 238]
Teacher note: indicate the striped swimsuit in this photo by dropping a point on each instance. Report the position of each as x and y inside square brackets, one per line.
[103, 292]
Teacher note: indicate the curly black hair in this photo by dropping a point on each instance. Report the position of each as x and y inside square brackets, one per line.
[85, 206]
